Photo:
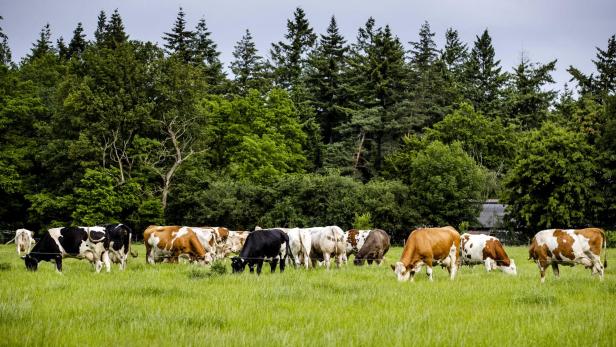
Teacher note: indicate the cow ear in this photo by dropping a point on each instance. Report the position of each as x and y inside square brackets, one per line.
[393, 267]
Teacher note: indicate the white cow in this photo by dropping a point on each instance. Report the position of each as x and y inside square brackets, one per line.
[327, 242]
[23, 240]
[300, 242]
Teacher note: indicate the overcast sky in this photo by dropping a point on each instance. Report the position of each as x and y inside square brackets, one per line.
[566, 30]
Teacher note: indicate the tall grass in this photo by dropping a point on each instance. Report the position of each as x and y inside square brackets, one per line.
[181, 305]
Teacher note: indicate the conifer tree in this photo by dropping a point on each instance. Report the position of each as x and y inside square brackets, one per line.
[206, 54]
[528, 102]
[61, 48]
[325, 81]
[248, 66]
[99, 34]
[606, 67]
[424, 52]
[114, 31]
[180, 41]
[78, 42]
[484, 80]
[289, 58]
[42, 45]
[5, 50]
[455, 52]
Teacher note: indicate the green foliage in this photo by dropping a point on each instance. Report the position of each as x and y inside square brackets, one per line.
[444, 182]
[363, 221]
[486, 140]
[552, 182]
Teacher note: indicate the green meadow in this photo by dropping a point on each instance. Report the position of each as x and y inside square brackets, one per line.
[186, 305]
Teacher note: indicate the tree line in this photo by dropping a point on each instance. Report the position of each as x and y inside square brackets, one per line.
[366, 132]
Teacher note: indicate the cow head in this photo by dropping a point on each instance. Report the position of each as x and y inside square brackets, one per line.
[402, 272]
[31, 262]
[237, 264]
[511, 269]
[359, 261]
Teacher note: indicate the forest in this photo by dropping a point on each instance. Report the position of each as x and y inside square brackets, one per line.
[370, 131]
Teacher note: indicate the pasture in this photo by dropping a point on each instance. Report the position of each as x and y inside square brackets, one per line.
[182, 305]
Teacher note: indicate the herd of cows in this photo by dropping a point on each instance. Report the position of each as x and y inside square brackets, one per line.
[309, 247]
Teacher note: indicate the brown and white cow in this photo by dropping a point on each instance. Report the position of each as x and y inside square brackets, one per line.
[487, 250]
[169, 242]
[568, 247]
[373, 248]
[429, 246]
[354, 239]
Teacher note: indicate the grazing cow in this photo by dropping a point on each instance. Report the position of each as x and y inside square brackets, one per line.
[568, 247]
[235, 241]
[259, 246]
[374, 247]
[209, 240]
[119, 237]
[300, 242]
[429, 246]
[23, 240]
[169, 242]
[478, 249]
[354, 241]
[327, 242]
[76, 242]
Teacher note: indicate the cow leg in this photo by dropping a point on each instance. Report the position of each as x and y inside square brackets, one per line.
[429, 269]
[251, 266]
[59, 264]
[326, 259]
[542, 264]
[488, 264]
[106, 261]
[259, 266]
[555, 270]
[273, 264]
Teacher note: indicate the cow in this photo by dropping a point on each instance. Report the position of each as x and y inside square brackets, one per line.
[327, 242]
[374, 247]
[487, 250]
[300, 242]
[235, 241]
[119, 237]
[209, 240]
[24, 241]
[568, 247]
[354, 241]
[261, 245]
[429, 246]
[76, 242]
[170, 242]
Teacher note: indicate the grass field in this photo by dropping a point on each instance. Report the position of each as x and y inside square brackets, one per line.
[180, 305]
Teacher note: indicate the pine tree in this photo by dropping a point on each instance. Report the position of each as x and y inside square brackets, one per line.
[325, 81]
[99, 34]
[289, 58]
[606, 68]
[528, 101]
[429, 98]
[206, 53]
[114, 31]
[484, 80]
[43, 45]
[5, 50]
[455, 52]
[179, 41]
[78, 42]
[62, 49]
[424, 52]
[248, 66]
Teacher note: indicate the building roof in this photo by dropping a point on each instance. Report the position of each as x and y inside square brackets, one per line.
[492, 214]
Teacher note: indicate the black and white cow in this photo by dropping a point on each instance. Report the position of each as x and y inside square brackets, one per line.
[259, 246]
[76, 242]
[118, 243]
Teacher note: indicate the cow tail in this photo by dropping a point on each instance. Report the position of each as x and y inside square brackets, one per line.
[605, 247]
[288, 253]
[11, 240]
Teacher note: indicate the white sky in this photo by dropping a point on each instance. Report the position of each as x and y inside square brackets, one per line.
[544, 30]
